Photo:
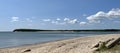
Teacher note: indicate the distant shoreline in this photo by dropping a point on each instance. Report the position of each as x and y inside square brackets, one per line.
[38, 30]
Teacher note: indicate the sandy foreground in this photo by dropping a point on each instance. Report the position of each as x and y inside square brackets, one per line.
[75, 45]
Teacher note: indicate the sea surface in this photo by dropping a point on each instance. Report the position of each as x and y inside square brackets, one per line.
[12, 39]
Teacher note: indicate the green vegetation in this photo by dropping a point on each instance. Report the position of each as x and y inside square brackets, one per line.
[37, 30]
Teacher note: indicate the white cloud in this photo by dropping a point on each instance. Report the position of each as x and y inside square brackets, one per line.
[46, 20]
[58, 23]
[83, 23]
[58, 19]
[70, 21]
[14, 19]
[66, 19]
[114, 13]
[96, 18]
[73, 21]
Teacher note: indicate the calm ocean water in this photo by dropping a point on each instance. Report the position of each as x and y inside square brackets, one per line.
[10, 39]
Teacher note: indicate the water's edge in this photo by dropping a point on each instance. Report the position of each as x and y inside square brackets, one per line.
[10, 39]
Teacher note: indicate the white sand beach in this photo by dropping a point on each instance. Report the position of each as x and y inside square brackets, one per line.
[75, 45]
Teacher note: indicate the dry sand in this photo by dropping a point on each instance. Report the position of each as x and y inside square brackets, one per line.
[75, 45]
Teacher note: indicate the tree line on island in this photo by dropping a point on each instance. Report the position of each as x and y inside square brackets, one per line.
[87, 30]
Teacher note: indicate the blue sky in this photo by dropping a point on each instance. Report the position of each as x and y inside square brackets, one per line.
[59, 14]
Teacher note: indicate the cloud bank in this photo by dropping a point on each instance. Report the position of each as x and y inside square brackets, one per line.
[96, 18]
[71, 21]
[61, 21]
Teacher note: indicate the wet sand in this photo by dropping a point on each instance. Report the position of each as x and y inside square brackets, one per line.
[75, 45]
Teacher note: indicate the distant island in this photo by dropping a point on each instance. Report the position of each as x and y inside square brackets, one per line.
[38, 30]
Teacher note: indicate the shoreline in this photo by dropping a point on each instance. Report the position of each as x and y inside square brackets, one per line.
[41, 42]
[71, 45]
[48, 41]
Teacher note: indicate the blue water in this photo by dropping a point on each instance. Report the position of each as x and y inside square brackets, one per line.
[10, 39]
